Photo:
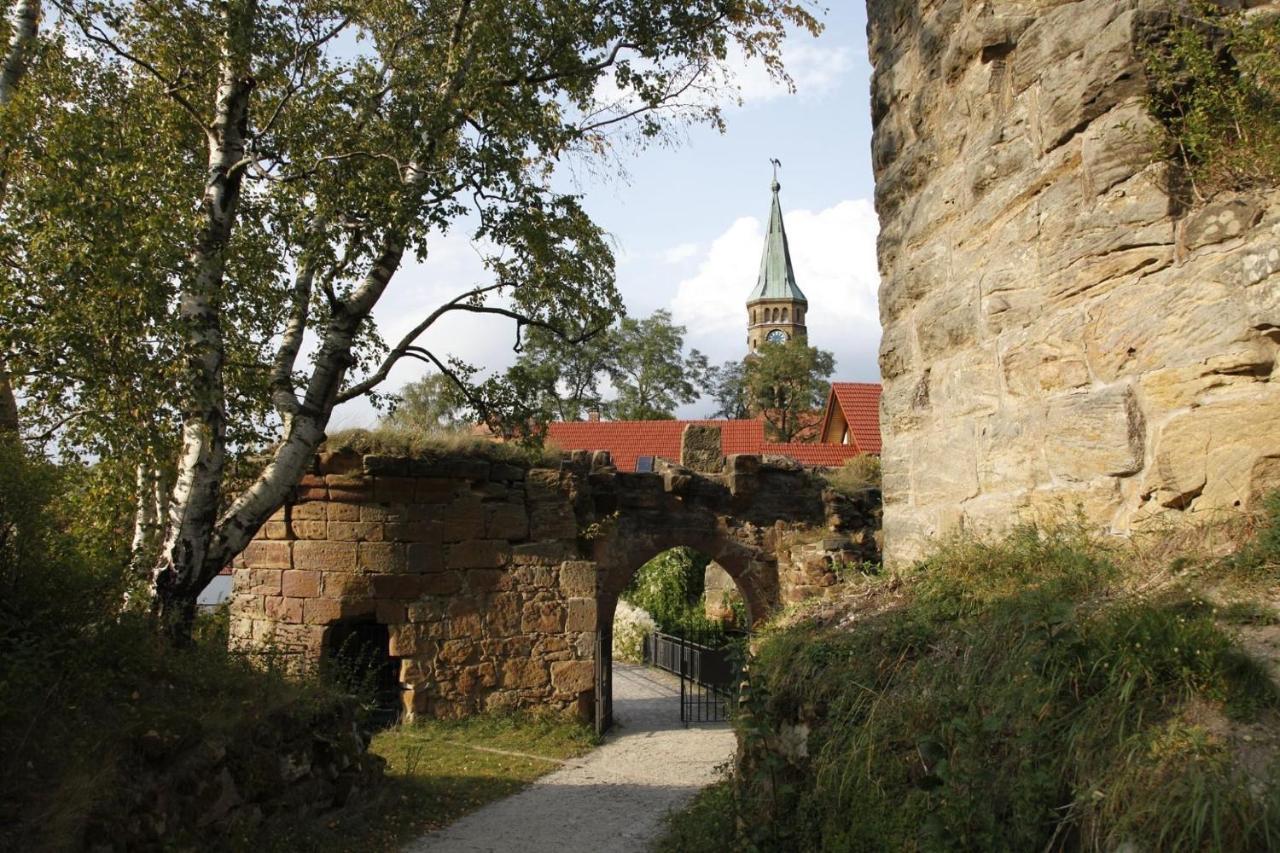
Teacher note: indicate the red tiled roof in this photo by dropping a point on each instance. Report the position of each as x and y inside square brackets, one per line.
[860, 404]
[813, 455]
[627, 440]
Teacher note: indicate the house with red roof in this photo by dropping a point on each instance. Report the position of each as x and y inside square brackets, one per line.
[852, 416]
[637, 445]
[848, 426]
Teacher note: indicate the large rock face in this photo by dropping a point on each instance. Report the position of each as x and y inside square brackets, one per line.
[1057, 330]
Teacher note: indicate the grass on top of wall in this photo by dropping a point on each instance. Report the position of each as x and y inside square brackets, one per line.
[1035, 692]
[432, 444]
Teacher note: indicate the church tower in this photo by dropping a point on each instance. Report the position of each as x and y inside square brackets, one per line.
[776, 308]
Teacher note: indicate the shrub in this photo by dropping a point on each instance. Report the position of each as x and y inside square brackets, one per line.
[670, 588]
[1216, 96]
[1023, 697]
[858, 474]
[87, 691]
[630, 626]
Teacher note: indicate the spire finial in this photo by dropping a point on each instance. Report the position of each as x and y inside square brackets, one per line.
[777, 164]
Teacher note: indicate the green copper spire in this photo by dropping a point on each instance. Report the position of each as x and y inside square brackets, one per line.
[777, 278]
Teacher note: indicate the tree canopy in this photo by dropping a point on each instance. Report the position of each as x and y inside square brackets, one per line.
[204, 203]
[786, 383]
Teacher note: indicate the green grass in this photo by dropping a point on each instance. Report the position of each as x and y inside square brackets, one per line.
[705, 826]
[423, 444]
[1025, 693]
[439, 770]
[858, 474]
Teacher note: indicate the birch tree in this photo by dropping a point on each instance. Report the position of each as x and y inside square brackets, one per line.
[298, 155]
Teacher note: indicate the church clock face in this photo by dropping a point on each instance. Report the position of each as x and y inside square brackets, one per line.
[777, 336]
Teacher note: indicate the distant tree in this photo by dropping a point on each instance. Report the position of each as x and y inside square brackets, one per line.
[785, 384]
[649, 370]
[560, 380]
[726, 386]
[431, 403]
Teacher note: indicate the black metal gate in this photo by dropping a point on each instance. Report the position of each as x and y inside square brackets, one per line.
[709, 667]
[604, 679]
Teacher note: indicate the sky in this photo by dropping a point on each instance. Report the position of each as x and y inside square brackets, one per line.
[688, 223]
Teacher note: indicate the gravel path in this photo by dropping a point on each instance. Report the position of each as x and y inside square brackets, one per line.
[612, 799]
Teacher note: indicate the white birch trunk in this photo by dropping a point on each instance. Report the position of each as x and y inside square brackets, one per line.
[23, 20]
[181, 571]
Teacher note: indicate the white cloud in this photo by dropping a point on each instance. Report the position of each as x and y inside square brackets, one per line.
[834, 255]
[682, 252]
[815, 68]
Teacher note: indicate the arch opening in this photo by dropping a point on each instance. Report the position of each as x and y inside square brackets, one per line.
[357, 653]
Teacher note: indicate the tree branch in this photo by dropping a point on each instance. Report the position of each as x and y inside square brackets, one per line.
[94, 33]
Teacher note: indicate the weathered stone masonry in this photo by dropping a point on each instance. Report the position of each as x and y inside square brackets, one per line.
[1057, 331]
[493, 579]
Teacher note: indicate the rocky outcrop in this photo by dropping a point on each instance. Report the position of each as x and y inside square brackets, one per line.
[1058, 332]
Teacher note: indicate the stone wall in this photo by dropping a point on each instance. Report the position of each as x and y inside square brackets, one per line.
[1057, 331]
[492, 579]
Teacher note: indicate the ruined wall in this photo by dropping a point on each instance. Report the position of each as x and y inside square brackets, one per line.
[1056, 330]
[492, 580]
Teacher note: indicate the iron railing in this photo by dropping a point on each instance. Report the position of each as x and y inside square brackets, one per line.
[709, 667]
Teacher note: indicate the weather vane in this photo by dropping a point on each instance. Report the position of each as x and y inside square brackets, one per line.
[777, 164]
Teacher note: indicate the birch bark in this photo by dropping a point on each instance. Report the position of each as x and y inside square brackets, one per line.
[181, 571]
[24, 19]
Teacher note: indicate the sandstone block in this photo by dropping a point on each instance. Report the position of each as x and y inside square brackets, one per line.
[264, 554]
[478, 554]
[354, 531]
[524, 673]
[415, 531]
[458, 652]
[575, 676]
[311, 529]
[503, 613]
[506, 521]
[324, 556]
[542, 553]
[424, 557]
[542, 617]
[287, 610]
[381, 557]
[300, 583]
[309, 511]
[578, 579]
[581, 615]
[346, 488]
[399, 587]
[394, 490]
[410, 641]
[263, 581]
[441, 583]
[321, 611]
[463, 519]
[1095, 433]
[389, 612]
[339, 462]
[345, 585]
[274, 530]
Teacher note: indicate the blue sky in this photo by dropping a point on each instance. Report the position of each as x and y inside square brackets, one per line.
[688, 221]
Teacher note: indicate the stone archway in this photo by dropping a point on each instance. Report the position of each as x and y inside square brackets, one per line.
[494, 580]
